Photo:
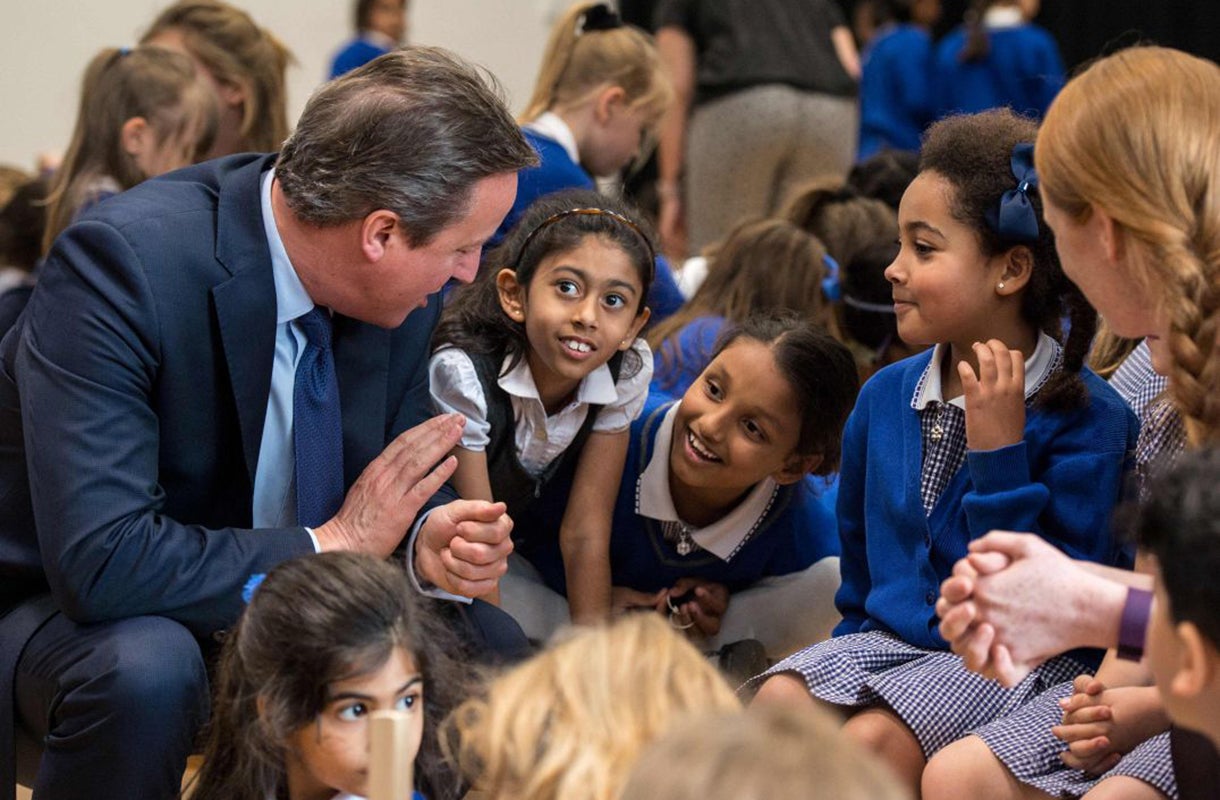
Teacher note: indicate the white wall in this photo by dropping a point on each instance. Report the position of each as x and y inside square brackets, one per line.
[47, 43]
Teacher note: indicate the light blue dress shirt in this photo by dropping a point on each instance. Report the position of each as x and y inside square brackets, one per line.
[274, 481]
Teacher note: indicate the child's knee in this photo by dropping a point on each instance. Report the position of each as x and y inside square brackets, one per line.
[966, 768]
[785, 689]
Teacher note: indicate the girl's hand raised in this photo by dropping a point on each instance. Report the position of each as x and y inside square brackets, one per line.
[995, 397]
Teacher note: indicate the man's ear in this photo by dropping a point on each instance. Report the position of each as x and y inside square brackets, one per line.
[136, 136]
[1196, 668]
[1018, 266]
[512, 295]
[605, 102]
[377, 233]
[796, 468]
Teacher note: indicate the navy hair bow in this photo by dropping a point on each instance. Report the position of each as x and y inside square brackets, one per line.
[600, 18]
[1016, 219]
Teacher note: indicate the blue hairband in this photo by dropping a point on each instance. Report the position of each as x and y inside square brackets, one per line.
[252, 583]
[830, 284]
[1016, 220]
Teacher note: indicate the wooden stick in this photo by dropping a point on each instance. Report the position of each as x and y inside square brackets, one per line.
[391, 772]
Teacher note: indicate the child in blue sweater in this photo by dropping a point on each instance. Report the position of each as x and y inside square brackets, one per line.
[999, 426]
[896, 78]
[718, 520]
[997, 59]
[600, 93]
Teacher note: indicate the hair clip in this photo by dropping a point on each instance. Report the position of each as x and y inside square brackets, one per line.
[1016, 219]
[252, 583]
[831, 287]
[599, 18]
[124, 51]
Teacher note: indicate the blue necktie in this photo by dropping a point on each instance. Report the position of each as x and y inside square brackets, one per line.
[317, 429]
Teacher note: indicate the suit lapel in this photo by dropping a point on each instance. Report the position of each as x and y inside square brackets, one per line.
[245, 303]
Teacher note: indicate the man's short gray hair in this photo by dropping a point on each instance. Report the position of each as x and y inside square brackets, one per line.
[412, 131]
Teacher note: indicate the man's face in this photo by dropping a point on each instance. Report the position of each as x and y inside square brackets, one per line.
[384, 291]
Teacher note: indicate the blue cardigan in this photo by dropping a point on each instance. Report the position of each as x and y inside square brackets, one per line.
[895, 90]
[796, 531]
[1061, 482]
[1023, 71]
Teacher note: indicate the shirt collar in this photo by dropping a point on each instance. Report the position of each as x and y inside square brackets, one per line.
[291, 299]
[549, 124]
[724, 537]
[1038, 368]
[1003, 17]
[379, 39]
[597, 388]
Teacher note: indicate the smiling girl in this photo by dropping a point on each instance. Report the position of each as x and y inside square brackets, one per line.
[326, 640]
[718, 522]
[997, 427]
[541, 356]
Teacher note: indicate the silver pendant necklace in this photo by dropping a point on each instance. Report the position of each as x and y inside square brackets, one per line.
[679, 534]
[938, 430]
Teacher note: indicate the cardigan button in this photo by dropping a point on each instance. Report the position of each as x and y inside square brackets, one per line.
[930, 597]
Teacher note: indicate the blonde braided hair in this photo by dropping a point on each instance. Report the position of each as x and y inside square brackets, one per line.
[1135, 136]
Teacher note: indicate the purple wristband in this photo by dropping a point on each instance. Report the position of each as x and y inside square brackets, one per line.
[1134, 625]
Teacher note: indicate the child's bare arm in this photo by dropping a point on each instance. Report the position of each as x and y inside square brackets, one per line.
[584, 536]
[472, 482]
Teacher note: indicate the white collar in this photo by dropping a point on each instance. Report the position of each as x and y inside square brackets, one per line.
[597, 388]
[1003, 17]
[291, 299]
[549, 124]
[379, 39]
[723, 537]
[1038, 368]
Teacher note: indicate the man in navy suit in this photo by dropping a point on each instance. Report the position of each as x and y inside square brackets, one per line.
[146, 456]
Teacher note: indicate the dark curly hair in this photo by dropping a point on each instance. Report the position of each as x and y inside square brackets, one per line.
[973, 153]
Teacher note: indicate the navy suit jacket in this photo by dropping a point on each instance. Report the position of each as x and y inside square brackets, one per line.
[134, 389]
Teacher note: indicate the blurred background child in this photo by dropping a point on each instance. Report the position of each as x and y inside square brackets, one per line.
[326, 640]
[997, 59]
[245, 65]
[143, 111]
[896, 77]
[381, 26]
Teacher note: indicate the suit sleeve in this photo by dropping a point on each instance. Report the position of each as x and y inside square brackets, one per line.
[86, 366]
